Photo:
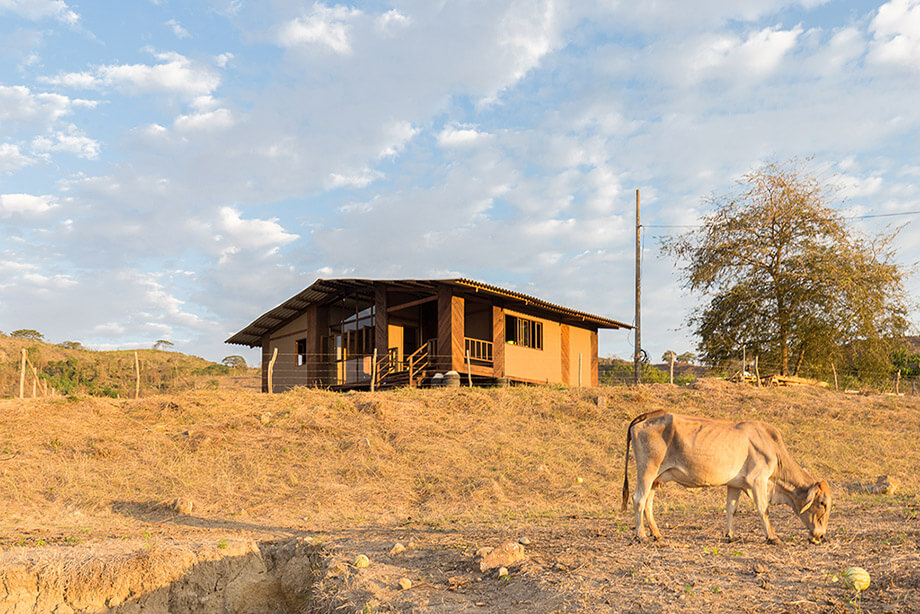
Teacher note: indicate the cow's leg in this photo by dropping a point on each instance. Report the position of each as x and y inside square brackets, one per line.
[761, 495]
[642, 499]
[731, 504]
[650, 514]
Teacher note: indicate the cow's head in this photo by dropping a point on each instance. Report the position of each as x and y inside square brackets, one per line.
[815, 510]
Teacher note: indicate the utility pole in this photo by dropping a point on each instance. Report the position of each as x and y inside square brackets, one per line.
[638, 352]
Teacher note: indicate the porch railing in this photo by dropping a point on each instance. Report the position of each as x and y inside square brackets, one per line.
[478, 349]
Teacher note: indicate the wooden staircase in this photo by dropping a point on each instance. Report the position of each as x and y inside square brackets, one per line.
[390, 372]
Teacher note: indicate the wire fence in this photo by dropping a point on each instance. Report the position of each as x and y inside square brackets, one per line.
[904, 381]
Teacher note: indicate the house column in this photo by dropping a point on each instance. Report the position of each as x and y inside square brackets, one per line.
[498, 341]
[451, 347]
[594, 358]
[566, 350]
[381, 321]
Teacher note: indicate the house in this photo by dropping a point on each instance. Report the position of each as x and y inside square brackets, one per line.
[329, 334]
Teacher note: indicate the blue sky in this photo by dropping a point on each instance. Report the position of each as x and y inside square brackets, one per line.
[171, 170]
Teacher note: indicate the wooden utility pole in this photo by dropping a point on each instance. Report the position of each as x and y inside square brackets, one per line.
[637, 376]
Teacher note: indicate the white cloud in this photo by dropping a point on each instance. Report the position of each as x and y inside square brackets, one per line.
[397, 135]
[48, 282]
[729, 56]
[392, 22]
[357, 179]
[237, 234]
[11, 159]
[459, 135]
[177, 29]
[73, 141]
[25, 204]
[20, 106]
[175, 74]
[326, 27]
[896, 34]
[39, 9]
[217, 119]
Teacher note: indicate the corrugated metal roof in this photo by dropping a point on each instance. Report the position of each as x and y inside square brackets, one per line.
[324, 290]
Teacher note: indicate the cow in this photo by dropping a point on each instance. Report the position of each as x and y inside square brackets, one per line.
[747, 457]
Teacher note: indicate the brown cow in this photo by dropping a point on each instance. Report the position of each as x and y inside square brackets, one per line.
[747, 457]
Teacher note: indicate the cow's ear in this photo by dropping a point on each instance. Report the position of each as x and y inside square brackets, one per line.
[810, 497]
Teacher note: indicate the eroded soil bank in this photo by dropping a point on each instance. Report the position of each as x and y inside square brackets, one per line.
[163, 576]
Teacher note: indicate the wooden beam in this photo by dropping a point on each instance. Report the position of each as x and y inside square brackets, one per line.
[415, 303]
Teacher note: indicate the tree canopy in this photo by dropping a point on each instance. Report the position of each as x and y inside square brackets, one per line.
[27, 333]
[784, 275]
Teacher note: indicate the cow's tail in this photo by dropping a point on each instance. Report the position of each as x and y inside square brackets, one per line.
[635, 421]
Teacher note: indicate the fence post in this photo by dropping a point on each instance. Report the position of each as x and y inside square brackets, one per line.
[834, 369]
[374, 370]
[22, 376]
[897, 384]
[671, 356]
[469, 369]
[271, 369]
[137, 377]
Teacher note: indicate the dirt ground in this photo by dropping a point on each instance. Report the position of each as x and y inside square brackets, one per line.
[90, 486]
[580, 564]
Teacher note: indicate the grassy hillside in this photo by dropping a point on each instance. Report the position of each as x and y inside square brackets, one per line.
[309, 457]
[112, 374]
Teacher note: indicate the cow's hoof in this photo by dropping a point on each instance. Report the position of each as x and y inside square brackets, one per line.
[772, 541]
[731, 538]
[816, 540]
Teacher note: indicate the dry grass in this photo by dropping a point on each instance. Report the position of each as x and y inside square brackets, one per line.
[313, 458]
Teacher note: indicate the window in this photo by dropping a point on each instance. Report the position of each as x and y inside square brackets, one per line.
[301, 352]
[521, 331]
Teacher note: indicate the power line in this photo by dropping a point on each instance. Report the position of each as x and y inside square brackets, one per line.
[849, 217]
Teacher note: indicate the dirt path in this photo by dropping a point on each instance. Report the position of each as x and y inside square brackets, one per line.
[593, 565]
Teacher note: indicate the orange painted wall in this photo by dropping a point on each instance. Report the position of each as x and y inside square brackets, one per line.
[536, 365]
[579, 343]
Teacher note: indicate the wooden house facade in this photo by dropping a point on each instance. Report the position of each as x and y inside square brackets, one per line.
[348, 333]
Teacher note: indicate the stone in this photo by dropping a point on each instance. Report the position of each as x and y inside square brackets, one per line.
[183, 506]
[506, 555]
[398, 548]
[502, 572]
[405, 583]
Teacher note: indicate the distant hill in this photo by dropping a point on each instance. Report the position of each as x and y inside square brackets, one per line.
[70, 369]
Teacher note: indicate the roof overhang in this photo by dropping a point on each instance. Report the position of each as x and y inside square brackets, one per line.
[325, 291]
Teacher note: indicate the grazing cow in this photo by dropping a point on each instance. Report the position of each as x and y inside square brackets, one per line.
[747, 457]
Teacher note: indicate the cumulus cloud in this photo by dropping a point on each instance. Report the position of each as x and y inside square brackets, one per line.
[25, 205]
[12, 159]
[392, 22]
[237, 234]
[73, 140]
[460, 135]
[217, 119]
[896, 34]
[20, 106]
[174, 74]
[758, 54]
[326, 27]
[40, 9]
[358, 179]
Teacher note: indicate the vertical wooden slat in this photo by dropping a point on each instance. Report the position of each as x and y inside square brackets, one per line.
[594, 358]
[565, 333]
[444, 328]
[381, 320]
[498, 341]
[458, 345]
